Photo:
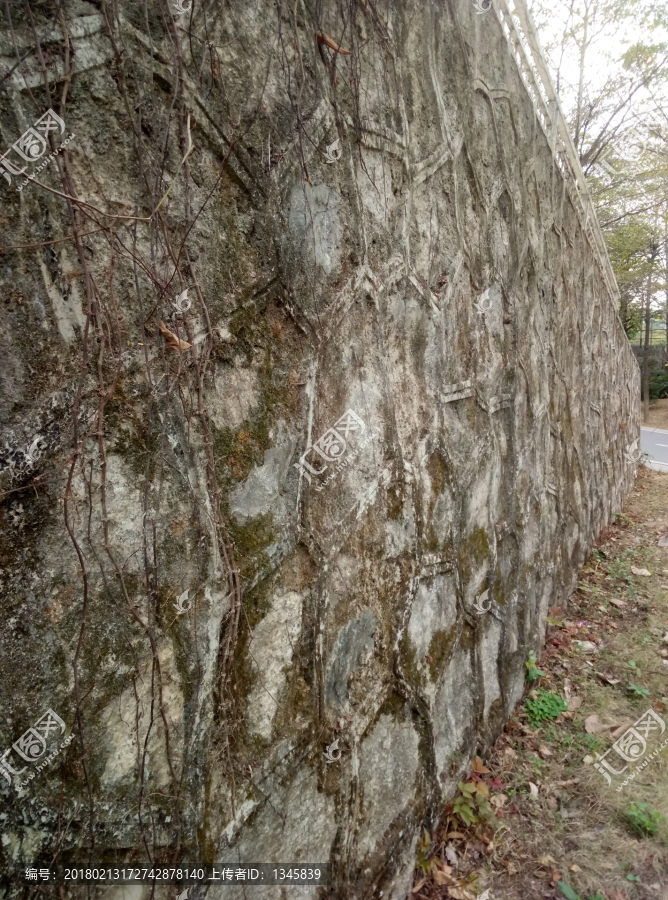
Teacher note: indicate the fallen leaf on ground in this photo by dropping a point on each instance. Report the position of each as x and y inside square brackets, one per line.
[511, 753]
[419, 885]
[620, 729]
[546, 861]
[593, 725]
[451, 853]
[440, 872]
[510, 868]
[545, 751]
[615, 602]
[607, 679]
[533, 788]
[456, 835]
[575, 868]
[663, 540]
[498, 800]
[459, 893]
[574, 703]
[173, 342]
[479, 767]
[586, 646]
[640, 571]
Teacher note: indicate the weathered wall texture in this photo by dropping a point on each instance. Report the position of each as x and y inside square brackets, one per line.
[432, 291]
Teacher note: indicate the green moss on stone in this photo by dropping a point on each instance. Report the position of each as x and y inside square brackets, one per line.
[251, 541]
[396, 494]
[238, 451]
[409, 663]
[473, 549]
[438, 473]
[441, 648]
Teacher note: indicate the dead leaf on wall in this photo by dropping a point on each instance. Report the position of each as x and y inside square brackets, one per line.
[173, 342]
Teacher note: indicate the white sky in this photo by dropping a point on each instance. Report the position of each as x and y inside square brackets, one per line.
[601, 61]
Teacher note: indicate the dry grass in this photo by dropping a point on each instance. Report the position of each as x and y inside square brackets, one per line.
[574, 830]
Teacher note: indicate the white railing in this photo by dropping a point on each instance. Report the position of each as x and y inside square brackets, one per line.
[525, 47]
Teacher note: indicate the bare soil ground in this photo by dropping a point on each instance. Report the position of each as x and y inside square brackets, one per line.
[536, 819]
[658, 414]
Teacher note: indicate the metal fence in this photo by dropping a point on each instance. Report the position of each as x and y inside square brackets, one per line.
[525, 47]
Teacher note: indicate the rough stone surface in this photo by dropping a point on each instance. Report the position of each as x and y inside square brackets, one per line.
[407, 386]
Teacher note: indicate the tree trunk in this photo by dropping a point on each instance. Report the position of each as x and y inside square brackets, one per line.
[665, 281]
[645, 364]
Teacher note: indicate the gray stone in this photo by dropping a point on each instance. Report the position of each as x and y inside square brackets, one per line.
[261, 492]
[314, 224]
[352, 641]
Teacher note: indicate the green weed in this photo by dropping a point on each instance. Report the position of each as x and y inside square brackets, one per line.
[643, 819]
[533, 672]
[545, 706]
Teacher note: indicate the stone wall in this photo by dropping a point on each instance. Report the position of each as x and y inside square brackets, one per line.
[340, 512]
